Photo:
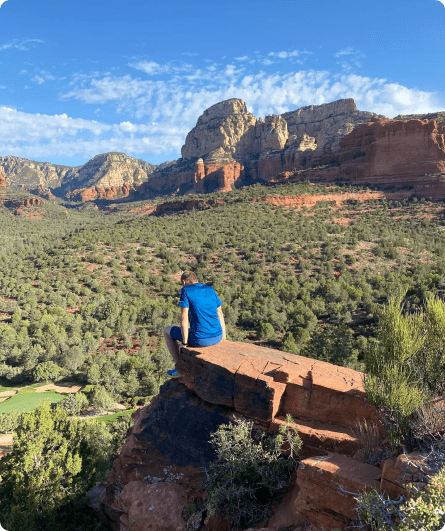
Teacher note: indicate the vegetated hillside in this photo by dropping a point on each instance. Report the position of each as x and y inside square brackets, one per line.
[85, 296]
[28, 219]
[94, 301]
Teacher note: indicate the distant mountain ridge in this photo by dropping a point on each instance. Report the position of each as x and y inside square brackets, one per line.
[229, 147]
[106, 170]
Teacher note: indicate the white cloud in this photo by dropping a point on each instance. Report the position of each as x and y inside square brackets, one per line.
[284, 55]
[22, 45]
[2, 2]
[150, 67]
[442, 2]
[157, 113]
[45, 76]
[40, 136]
[350, 59]
[346, 51]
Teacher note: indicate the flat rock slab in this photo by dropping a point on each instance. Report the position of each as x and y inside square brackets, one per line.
[263, 383]
[317, 436]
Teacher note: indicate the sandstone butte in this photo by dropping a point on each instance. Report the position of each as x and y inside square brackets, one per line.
[229, 147]
[159, 469]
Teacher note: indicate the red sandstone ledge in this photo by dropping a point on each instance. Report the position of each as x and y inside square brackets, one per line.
[266, 384]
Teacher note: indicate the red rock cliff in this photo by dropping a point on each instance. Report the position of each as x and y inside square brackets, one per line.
[159, 467]
[399, 153]
[102, 192]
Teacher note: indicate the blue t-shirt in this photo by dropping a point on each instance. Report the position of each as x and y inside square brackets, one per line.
[202, 302]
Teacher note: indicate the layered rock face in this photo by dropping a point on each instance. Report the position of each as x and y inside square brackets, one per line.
[2, 180]
[397, 153]
[109, 170]
[160, 464]
[225, 129]
[229, 147]
[30, 174]
[110, 175]
[101, 192]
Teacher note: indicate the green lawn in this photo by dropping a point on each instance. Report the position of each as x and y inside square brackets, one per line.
[112, 418]
[27, 401]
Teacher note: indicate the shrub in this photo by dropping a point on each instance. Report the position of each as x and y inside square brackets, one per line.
[395, 391]
[45, 371]
[74, 403]
[369, 439]
[424, 511]
[406, 368]
[266, 331]
[250, 471]
[9, 421]
[101, 399]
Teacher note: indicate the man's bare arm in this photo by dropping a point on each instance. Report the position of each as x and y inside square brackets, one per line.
[222, 322]
[185, 325]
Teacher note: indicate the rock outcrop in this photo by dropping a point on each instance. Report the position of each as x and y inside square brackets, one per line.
[396, 153]
[168, 445]
[2, 178]
[229, 147]
[18, 206]
[101, 193]
[107, 171]
[112, 171]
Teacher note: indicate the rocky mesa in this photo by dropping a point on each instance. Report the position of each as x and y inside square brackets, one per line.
[160, 468]
[229, 148]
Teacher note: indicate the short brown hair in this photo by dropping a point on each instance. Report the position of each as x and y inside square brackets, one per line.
[189, 278]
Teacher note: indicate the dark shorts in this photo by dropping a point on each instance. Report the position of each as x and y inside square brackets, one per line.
[176, 333]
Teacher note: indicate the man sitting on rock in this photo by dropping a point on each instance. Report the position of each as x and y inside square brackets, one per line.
[201, 306]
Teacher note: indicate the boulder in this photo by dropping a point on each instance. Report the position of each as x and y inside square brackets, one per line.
[155, 507]
[403, 470]
[323, 482]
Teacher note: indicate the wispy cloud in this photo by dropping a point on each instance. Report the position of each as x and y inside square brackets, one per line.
[22, 45]
[44, 136]
[350, 58]
[156, 112]
[42, 77]
[284, 55]
[150, 67]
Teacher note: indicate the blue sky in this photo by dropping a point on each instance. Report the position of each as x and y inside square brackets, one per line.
[79, 78]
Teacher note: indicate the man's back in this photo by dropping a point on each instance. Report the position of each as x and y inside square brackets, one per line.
[202, 302]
